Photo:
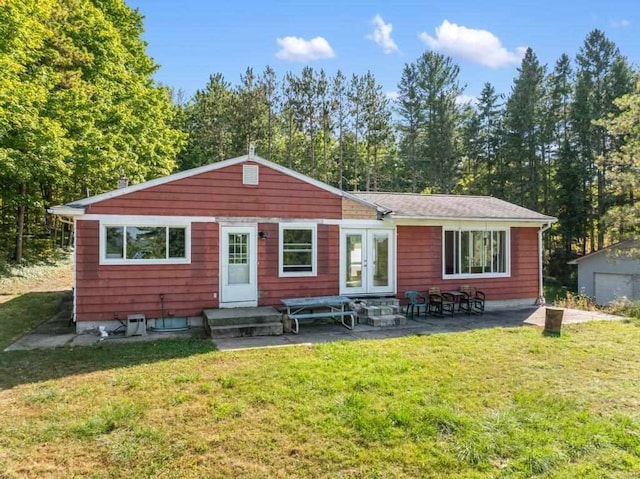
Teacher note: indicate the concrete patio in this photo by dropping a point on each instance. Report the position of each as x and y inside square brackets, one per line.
[58, 333]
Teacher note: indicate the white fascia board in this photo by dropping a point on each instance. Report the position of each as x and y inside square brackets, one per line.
[132, 220]
[64, 210]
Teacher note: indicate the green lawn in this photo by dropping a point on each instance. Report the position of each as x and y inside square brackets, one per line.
[494, 403]
[490, 403]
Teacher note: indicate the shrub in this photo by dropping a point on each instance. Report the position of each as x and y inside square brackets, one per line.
[577, 301]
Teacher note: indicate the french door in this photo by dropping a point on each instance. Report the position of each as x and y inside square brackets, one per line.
[367, 261]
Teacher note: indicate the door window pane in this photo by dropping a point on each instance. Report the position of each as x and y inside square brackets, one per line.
[238, 271]
[380, 260]
[354, 261]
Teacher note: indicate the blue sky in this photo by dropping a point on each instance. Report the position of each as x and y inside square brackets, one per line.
[192, 39]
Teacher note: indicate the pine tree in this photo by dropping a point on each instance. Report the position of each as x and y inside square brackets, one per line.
[428, 91]
[523, 121]
[602, 76]
[209, 123]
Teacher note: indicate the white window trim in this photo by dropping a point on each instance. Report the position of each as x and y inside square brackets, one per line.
[152, 222]
[314, 255]
[506, 274]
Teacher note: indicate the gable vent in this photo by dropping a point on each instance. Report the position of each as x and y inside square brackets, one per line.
[249, 174]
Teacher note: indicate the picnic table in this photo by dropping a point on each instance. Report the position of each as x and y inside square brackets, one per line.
[329, 306]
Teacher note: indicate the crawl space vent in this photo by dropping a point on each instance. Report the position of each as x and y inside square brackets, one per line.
[250, 174]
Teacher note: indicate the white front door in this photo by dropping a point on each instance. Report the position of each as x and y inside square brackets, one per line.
[238, 272]
[367, 262]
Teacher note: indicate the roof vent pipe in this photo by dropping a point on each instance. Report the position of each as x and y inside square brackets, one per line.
[123, 181]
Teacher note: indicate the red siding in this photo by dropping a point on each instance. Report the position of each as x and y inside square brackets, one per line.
[272, 288]
[420, 264]
[104, 290]
[221, 193]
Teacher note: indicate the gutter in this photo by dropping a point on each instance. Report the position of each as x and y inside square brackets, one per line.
[541, 300]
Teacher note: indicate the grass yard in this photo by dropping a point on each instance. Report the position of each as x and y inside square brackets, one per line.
[494, 403]
[491, 403]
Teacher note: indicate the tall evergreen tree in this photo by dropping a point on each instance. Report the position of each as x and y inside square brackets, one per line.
[268, 84]
[209, 123]
[569, 177]
[602, 76]
[523, 121]
[409, 109]
[428, 92]
[249, 114]
[376, 121]
[339, 109]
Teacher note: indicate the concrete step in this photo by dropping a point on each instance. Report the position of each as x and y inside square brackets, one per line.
[386, 320]
[240, 316]
[382, 302]
[244, 330]
[378, 310]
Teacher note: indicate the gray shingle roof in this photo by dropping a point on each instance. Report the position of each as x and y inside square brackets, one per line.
[417, 206]
[627, 249]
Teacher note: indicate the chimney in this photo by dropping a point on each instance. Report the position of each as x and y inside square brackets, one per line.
[123, 181]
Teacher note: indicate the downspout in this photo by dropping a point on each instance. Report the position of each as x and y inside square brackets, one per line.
[541, 300]
[75, 273]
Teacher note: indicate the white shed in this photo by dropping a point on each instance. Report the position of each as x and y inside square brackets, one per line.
[611, 273]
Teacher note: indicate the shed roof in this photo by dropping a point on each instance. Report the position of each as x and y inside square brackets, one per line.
[623, 249]
[446, 207]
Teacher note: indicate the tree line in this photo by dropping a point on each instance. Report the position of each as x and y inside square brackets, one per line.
[78, 104]
[551, 144]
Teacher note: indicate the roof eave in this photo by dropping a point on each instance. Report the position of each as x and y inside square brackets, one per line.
[544, 220]
[66, 210]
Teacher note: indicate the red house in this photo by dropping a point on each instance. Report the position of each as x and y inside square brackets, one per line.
[248, 232]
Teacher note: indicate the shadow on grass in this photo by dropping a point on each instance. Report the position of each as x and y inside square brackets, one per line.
[21, 314]
[24, 367]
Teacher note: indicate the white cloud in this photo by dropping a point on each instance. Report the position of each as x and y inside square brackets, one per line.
[295, 49]
[462, 100]
[479, 46]
[382, 35]
[620, 23]
[392, 95]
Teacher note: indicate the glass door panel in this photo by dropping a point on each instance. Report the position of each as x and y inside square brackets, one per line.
[380, 260]
[354, 260]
